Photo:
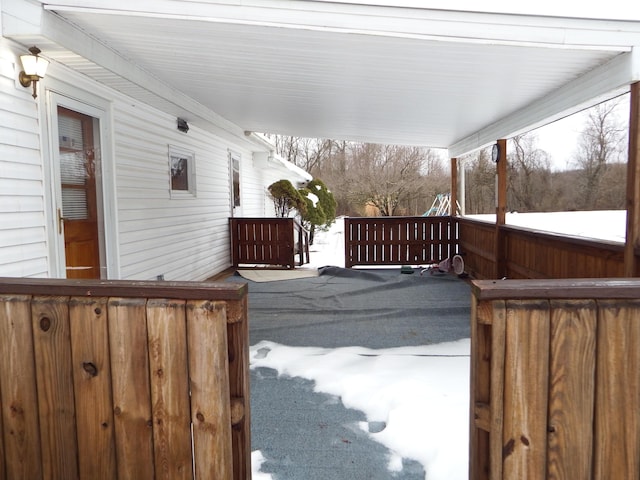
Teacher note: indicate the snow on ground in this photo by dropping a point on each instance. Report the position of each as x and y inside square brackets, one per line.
[416, 399]
[609, 225]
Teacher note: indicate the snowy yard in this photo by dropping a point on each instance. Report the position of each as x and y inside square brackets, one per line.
[415, 399]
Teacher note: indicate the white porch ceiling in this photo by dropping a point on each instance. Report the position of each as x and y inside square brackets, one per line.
[384, 74]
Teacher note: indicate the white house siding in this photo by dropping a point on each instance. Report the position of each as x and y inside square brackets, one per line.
[157, 234]
[179, 238]
[23, 239]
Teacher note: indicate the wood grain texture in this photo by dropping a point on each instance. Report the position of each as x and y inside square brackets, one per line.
[572, 389]
[51, 337]
[131, 388]
[238, 354]
[617, 411]
[92, 387]
[526, 366]
[210, 396]
[20, 446]
[168, 372]
[497, 386]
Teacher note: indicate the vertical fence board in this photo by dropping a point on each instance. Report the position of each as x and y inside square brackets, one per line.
[92, 387]
[525, 390]
[617, 423]
[20, 444]
[50, 323]
[497, 385]
[238, 353]
[168, 373]
[131, 394]
[572, 389]
[210, 396]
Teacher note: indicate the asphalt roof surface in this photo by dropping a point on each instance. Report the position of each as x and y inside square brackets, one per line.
[305, 435]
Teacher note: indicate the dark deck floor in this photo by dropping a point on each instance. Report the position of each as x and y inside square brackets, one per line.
[305, 435]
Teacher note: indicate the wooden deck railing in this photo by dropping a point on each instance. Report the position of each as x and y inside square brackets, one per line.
[123, 380]
[534, 254]
[398, 240]
[554, 379]
[268, 241]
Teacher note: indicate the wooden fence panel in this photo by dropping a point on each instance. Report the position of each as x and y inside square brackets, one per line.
[54, 374]
[20, 450]
[564, 392]
[398, 240]
[92, 387]
[268, 241]
[169, 377]
[131, 388]
[210, 396]
[119, 380]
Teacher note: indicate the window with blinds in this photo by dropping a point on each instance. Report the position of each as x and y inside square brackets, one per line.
[75, 167]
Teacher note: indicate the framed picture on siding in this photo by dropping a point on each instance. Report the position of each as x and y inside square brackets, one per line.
[182, 170]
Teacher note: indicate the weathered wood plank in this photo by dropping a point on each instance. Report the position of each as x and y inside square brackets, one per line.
[210, 396]
[480, 373]
[617, 412]
[51, 337]
[572, 389]
[579, 288]
[526, 367]
[122, 288]
[497, 386]
[238, 354]
[168, 371]
[131, 388]
[92, 387]
[20, 448]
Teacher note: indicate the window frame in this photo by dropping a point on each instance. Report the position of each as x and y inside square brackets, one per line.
[179, 153]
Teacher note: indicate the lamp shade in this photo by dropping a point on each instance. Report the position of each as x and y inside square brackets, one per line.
[34, 65]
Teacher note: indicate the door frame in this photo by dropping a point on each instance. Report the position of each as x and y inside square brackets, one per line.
[99, 108]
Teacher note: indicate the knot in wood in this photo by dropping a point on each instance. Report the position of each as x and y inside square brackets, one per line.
[200, 417]
[45, 324]
[98, 310]
[90, 368]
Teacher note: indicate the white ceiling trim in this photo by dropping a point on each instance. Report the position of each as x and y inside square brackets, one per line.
[602, 83]
[467, 27]
[416, 76]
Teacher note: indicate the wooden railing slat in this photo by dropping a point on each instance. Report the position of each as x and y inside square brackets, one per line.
[50, 323]
[526, 365]
[20, 455]
[238, 354]
[572, 388]
[92, 387]
[131, 388]
[168, 374]
[210, 396]
[617, 412]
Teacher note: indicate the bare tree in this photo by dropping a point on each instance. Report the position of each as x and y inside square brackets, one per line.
[385, 176]
[601, 142]
[480, 174]
[529, 174]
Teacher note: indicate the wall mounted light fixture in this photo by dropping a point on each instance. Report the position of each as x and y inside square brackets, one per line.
[183, 126]
[34, 68]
